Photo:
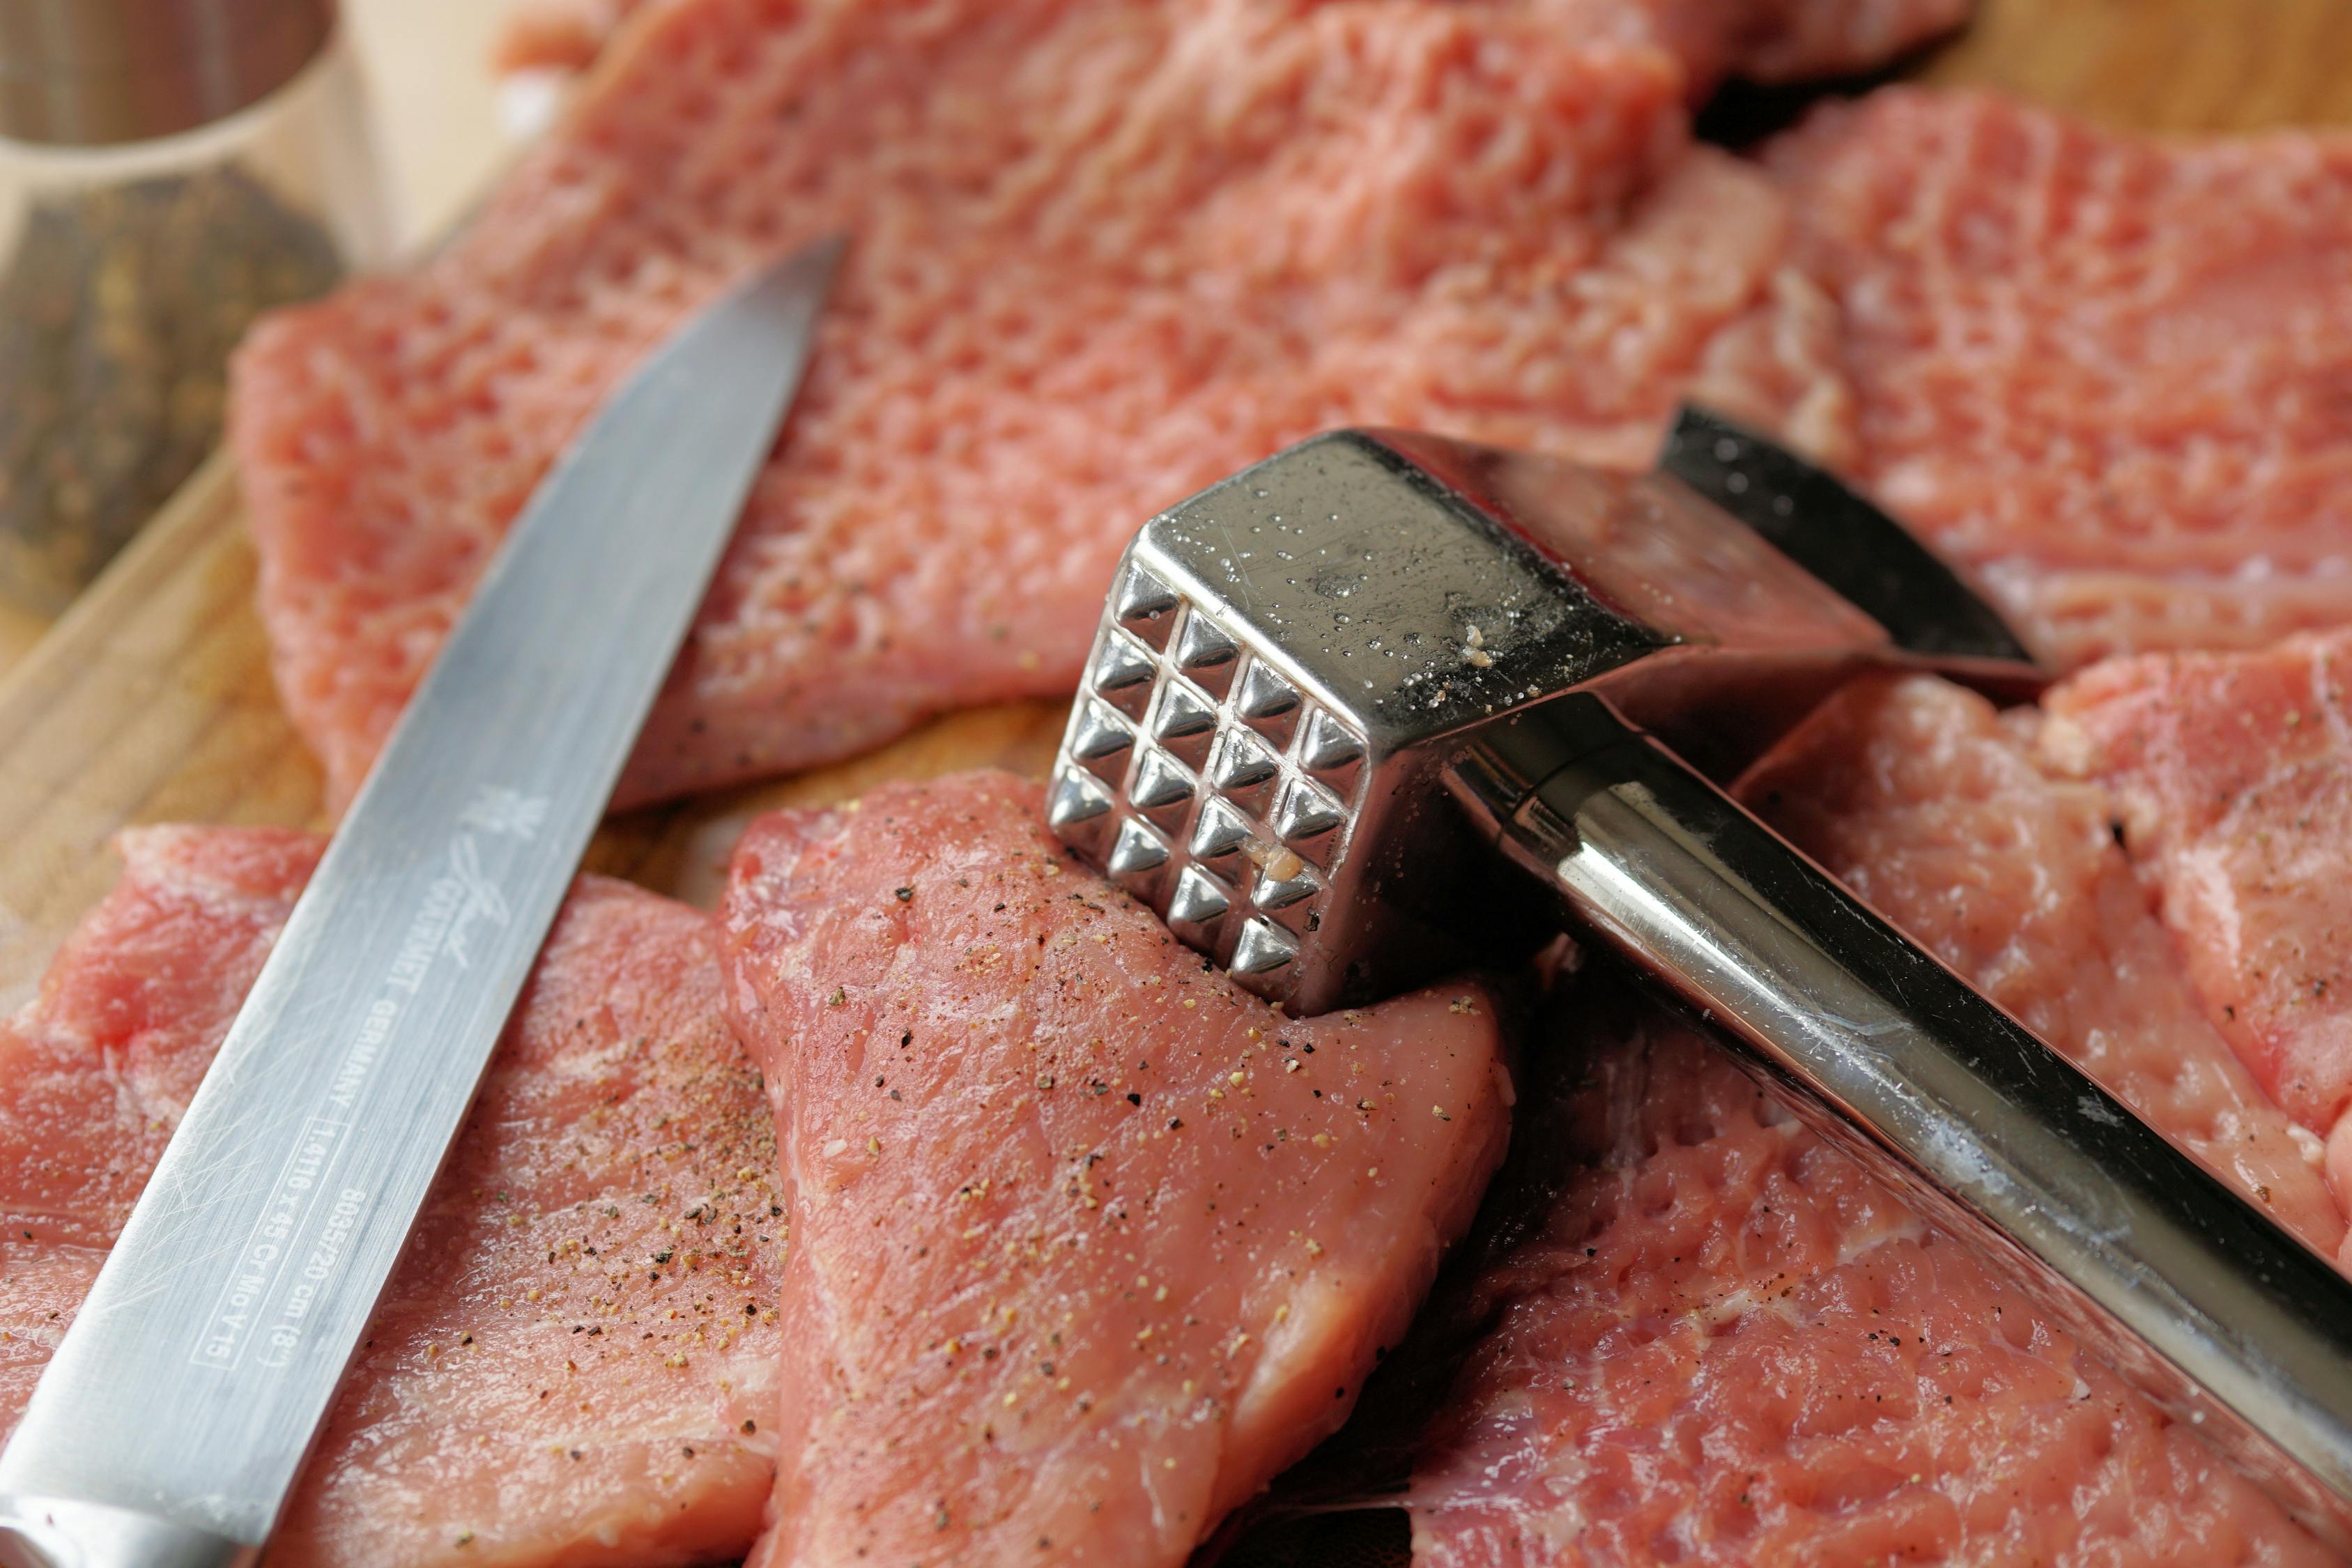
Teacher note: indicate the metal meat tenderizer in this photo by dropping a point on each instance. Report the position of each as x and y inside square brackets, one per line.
[1386, 704]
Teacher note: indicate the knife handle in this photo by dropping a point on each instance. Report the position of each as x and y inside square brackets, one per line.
[62, 1532]
[2194, 1295]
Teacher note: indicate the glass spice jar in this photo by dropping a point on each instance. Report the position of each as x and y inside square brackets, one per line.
[169, 169]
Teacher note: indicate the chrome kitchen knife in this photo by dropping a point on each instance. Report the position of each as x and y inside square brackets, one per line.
[177, 1411]
[1387, 703]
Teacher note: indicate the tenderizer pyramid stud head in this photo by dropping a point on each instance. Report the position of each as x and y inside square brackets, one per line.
[1289, 661]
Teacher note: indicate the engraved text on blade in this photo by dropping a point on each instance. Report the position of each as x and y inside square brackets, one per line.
[303, 1233]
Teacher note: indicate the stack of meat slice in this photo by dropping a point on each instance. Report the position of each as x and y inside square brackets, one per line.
[1768, 40]
[1102, 254]
[577, 1362]
[2106, 374]
[1087, 1242]
[1726, 1342]
[1086, 1245]
[1108, 253]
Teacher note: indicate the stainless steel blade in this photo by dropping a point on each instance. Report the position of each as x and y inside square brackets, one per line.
[175, 1416]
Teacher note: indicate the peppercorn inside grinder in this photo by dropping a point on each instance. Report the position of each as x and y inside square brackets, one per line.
[1387, 703]
[169, 169]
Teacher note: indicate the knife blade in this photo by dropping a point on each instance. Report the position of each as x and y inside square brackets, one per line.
[178, 1409]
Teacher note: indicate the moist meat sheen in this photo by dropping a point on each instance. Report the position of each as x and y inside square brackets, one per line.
[1103, 253]
[1937, 811]
[2105, 373]
[1726, 1343]
[2233, 780]
[576, 1363]
[1087, 1243]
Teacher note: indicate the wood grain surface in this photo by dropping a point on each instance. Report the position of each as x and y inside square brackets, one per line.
[2163, 65]
[151, 700]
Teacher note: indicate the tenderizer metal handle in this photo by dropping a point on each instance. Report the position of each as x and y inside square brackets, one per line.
[2198, 1298]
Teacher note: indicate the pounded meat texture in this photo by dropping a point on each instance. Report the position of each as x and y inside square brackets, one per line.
[2107, 374]
[95, 1071]
[575, 1363]
[1103, 253]
[1933, 809]
[1771, 40]
[1726, 1343]
[1087, 1243]
[2233, 777]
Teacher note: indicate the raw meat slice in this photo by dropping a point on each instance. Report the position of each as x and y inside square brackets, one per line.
[1104, 254]
[95, 1071]
[2105, 373]
[1790, 40]
[576, 1361]
[1727, 1345]
[1087, 1243]
[1932, 807]
[2232, 775]
[1771, 40]
[558, 35]
[1765, 40]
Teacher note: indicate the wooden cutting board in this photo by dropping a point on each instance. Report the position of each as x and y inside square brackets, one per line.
[151, 700]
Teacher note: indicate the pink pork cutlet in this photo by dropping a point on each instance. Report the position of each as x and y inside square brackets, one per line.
[1104, 254]
[2109, 374]
[1763, 40]
[2233, 780]
[576, 1363]
[1936, 810]
[1771, 40]
[1726, 1345]
[1087, 1243]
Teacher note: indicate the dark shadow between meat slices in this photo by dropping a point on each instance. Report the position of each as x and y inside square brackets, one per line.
[1087, 1243]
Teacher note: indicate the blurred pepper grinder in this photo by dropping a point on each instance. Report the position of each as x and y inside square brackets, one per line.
[169, 169]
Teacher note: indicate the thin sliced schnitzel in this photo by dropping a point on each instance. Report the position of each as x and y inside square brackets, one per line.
[2233, 778]
[1724, 1342]
[1936, 810]
[1103, 253]
[2106, 372]
[576, 1361]
[1087, 1242]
